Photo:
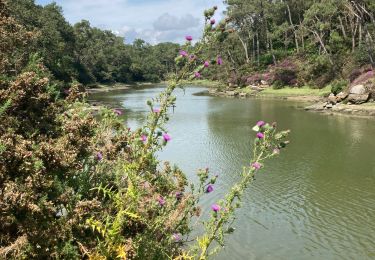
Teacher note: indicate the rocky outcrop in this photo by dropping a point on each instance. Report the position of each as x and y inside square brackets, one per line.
[358, 98]
[358, 90]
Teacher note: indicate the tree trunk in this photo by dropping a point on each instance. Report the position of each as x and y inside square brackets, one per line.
[244, 45]
[294, 31]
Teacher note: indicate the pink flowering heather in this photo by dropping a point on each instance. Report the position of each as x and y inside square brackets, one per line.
[197, 75]
[261, 123]
[219, 60]
[212, 21]
[206, 64]
[260, 135]
[256, 165]
[189, 38]
[117, 112]
[183, 53]
[166, 137]
[215, 207]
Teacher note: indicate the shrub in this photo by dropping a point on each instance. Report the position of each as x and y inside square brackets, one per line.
[338, 85]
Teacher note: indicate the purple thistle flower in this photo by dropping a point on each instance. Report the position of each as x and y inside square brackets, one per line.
[161, 201]
[156, 110]
[197, 75]
[144, 138]
[219, 60]
[99, 156]
[256, 165]
[189, 38]
[210, 188]
[117, 112]
[261, 123]
[166, 137]
[206, 64]
[179, 195]
[192, 57]
[183, 53]
[260, 135]
[176, 237]
[215, 207]
[212, 21]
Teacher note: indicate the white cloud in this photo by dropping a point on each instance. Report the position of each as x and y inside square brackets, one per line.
[152, 20]
[167, 22]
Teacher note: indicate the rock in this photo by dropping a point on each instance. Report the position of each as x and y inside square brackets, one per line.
[329, 106]
[332, 98]
[358, 90]
[341, 96]
[358, 98]
[243, 94]
[263, 82]
[231, 93]
[316, 107]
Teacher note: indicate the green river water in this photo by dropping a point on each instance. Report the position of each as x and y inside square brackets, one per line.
[315, 201]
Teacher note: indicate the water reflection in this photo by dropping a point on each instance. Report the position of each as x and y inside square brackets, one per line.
[317, 201]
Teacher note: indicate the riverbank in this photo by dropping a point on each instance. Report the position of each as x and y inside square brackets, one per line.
[116, 86]
[316, 99]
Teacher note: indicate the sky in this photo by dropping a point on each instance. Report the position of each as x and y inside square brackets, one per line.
[151, 20]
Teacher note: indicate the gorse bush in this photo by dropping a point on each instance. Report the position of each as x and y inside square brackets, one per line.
[77, 185]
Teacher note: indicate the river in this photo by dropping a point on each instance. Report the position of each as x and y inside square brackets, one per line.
[315, 201]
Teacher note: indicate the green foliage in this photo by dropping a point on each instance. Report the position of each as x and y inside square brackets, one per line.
[338, 85]
[75, 184]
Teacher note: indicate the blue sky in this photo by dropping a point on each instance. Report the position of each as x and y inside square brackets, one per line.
[152, 20]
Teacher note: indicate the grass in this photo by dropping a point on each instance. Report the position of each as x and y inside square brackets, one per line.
[303, 91]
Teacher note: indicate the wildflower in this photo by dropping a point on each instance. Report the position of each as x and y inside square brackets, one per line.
[210, 188]
[261, 123]
[176, 237]
[179, 195]
[144, 138]
[183, 53]
[156, 110]
[166, 137]
[99, 156]
[206, 64]
[117, 112]
[219, 60]
[192, 57]
[256, 165]
[161, 201]
[260, 135]
[189, 38]
[215, 207]
[213, 21]
[197, 74]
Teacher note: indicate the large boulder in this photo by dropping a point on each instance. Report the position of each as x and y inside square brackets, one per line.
[358, 90]
[358, 98]
[341, 96]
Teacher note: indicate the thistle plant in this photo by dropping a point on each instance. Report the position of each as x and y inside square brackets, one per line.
[76, 184]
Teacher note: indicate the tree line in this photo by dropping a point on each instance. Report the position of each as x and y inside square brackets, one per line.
[324, 39]
[86, 53]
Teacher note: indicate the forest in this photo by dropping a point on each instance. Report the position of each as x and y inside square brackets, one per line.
[297, 42]
[85, 53]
